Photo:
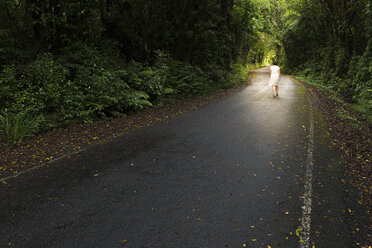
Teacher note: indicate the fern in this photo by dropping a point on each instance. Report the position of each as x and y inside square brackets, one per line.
[15, 127]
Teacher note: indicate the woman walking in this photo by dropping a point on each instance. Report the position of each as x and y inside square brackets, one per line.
[274, 78]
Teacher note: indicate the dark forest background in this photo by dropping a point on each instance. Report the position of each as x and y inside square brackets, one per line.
[75, 61]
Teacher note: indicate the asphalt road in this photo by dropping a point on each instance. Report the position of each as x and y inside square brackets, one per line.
[247, 171]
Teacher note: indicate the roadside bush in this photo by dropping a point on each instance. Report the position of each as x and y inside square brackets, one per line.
[150, 80]
[190, 80]
[101, 85]
[181, 78]
[15, 127]
[216, 74]
[41, 88]
[237, 76]
[84, 83]
[8, 84]
[354, 86]
[80, 86]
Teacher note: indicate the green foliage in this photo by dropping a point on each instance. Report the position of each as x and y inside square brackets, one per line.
[84, 84]
[42, 87]
[80, 90]
[80, 60]
[137, 100]
[15, 127]
[200, 33]
[73, 61]
[7, 85]
[236, 76]
[188, 80]
[330, 43]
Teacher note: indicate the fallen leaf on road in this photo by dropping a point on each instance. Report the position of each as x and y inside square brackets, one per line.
[298, 230]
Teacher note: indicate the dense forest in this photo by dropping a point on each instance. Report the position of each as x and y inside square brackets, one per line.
[75, 61]
[329, 42]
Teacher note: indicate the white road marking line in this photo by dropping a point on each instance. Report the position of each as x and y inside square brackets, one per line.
[306, 212]
[40, 165]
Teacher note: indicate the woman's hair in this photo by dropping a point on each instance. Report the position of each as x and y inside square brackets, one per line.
[275, 63]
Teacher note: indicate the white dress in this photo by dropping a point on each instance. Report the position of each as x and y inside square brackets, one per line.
[275, 75]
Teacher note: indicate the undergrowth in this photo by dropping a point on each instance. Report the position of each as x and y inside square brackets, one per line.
[14, 127]
[83, 83]
[347, 79]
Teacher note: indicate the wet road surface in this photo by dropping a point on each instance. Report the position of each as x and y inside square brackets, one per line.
[251, 170]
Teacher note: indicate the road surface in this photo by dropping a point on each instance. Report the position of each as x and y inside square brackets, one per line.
[251, 170]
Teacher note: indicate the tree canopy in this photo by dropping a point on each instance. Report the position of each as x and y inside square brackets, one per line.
[63, 61]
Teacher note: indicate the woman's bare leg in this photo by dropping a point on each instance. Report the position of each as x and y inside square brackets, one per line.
[274, 90]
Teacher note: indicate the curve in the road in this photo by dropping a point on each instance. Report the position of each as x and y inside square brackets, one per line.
[230, 174]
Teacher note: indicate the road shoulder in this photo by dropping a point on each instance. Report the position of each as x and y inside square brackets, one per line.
[350, 136]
